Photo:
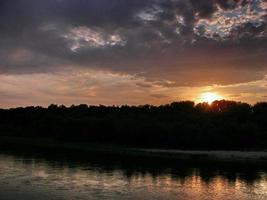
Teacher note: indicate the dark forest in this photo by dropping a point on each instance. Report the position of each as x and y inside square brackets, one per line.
[225, 125]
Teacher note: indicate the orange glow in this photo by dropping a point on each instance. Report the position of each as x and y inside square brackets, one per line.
[209, 97]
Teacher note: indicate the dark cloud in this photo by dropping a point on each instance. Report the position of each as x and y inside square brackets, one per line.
[159, 96]
[159, 38]
[232, 4]
[204, 8]
[249, 31]
[144, 85]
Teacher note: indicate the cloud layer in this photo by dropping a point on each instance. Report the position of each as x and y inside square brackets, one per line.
[175, 43]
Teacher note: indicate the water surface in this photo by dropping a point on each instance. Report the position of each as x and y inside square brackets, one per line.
[103, 178]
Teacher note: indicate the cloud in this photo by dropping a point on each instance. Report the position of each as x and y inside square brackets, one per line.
[77, 87]
[158, 96]
[229, 24]
[144, 84]
[102, 87]
[165, 43]
[83, 37]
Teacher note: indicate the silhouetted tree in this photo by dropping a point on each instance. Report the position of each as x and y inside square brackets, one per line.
[182, 125]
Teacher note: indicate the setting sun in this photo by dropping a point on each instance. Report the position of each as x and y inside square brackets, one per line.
[209, 97]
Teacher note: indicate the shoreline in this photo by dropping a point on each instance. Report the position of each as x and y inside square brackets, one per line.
[223, 155]
[49, 145]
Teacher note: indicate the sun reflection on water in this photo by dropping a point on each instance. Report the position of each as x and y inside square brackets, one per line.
[30, 177]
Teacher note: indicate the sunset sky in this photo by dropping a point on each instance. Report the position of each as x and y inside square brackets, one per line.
[131, 51]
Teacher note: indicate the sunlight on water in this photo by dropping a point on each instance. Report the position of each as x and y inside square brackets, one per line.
[35, 178]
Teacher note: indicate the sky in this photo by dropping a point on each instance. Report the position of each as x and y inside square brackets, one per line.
[117, 52]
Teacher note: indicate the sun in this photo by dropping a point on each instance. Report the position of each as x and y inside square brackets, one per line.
[209, 97]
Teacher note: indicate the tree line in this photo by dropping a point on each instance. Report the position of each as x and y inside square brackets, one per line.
[179, 125]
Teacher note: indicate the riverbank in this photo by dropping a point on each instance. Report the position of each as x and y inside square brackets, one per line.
[55, 146]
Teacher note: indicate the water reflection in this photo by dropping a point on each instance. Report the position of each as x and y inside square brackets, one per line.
[46, 177]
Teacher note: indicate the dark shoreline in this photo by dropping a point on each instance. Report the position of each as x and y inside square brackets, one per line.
[39, 145]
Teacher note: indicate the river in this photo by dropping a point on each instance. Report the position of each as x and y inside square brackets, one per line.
[57, 177]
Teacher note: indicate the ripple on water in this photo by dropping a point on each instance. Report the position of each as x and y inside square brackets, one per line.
[43, 179]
